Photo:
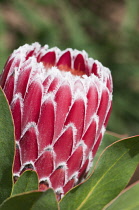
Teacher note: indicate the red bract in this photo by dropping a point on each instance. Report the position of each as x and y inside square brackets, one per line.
[61, 102]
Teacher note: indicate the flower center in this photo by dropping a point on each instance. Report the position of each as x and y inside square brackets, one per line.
[77, 72]
[66, 68]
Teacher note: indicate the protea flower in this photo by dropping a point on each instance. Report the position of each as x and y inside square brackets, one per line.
[60, 102]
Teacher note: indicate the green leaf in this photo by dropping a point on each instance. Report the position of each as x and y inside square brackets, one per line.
[113, 171]
[31, 201]
[128, 200]
[108, 139]
[28, 181]
[6, 148]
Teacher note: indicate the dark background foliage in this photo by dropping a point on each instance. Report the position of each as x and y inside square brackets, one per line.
[107, 29]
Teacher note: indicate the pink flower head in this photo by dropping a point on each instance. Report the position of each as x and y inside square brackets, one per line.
[60, 102]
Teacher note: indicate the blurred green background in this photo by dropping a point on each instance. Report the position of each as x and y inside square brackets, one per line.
[107, 29]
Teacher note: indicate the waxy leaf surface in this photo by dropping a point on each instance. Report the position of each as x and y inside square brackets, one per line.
[6, 148]
[112, 173]
[128, 200]
[28, 181]
[31, 201]
[108, 139]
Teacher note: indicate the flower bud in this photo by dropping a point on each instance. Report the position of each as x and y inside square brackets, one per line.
[60, 102]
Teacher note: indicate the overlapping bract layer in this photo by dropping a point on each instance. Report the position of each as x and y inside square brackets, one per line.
[61, 102]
